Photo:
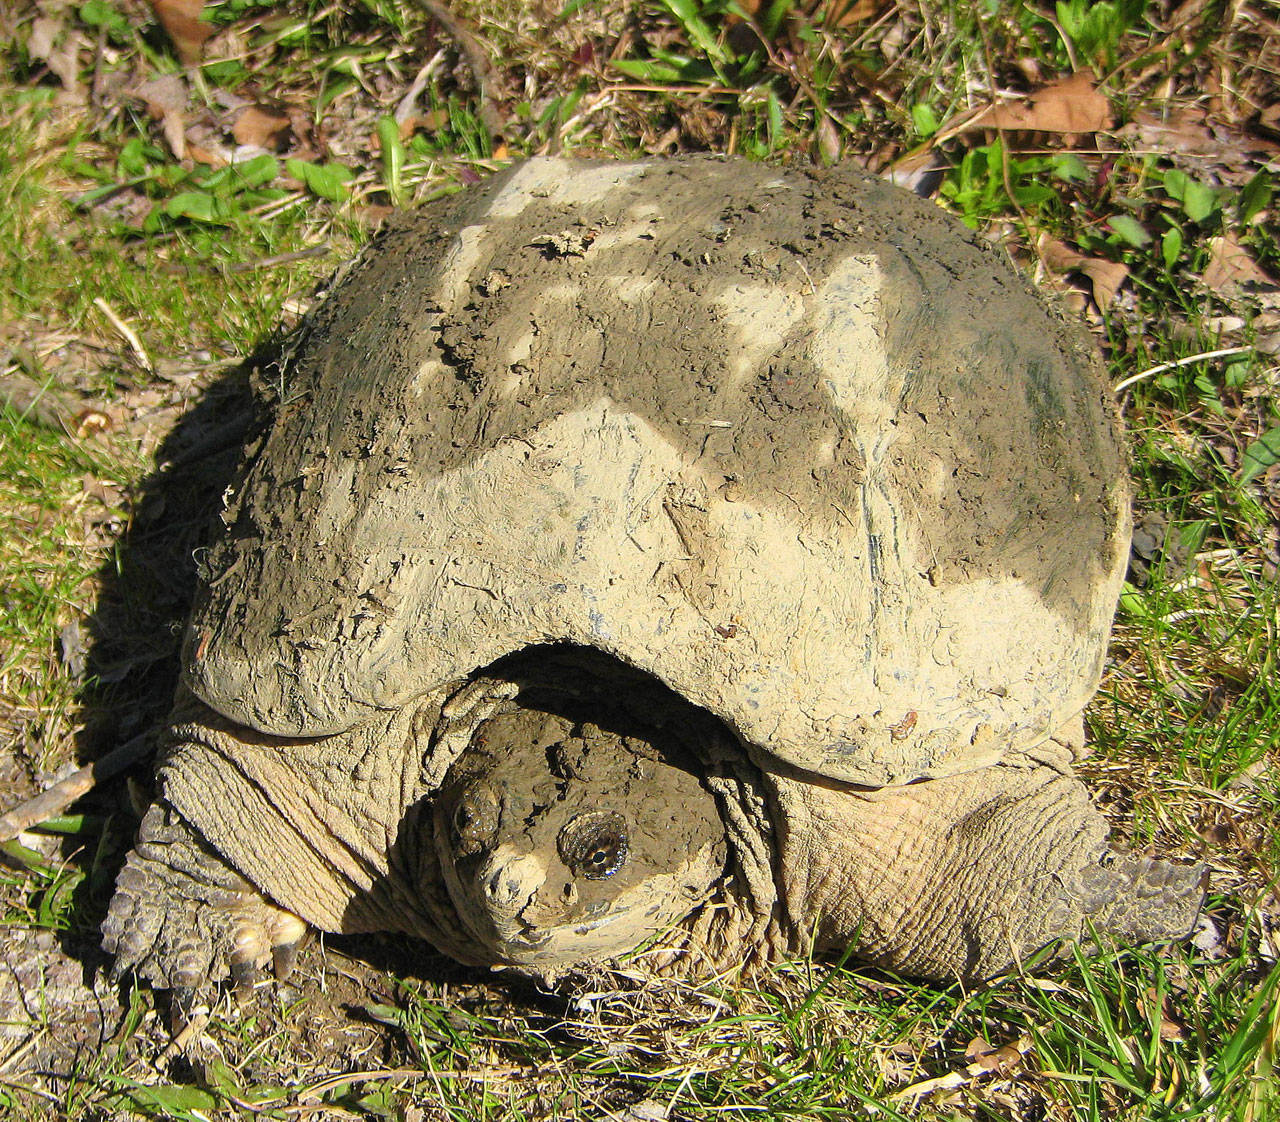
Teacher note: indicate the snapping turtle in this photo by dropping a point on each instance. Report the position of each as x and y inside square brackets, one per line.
[686, 555]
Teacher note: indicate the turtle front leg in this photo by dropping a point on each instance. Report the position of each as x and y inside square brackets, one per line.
[966, 876]
[183, 919]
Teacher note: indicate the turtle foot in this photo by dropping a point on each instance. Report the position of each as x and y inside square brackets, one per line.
[1143, 899]
[184, 920]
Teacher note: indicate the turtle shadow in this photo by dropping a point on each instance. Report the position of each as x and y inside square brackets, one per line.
[129, 671]
[145, 590]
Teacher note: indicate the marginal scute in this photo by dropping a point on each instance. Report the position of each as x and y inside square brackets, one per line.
[791, 442]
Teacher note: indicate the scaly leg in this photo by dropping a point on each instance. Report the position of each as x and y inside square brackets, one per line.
[967, 875]
[184, 920]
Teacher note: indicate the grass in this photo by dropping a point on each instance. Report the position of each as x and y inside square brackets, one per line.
[132, 274]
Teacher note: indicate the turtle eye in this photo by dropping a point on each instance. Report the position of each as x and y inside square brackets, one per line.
[594, 845]
[475, 819]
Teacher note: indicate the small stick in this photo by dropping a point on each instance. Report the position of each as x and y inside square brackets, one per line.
[260, 262]
[278, 259]
[184, 1036]
[127, 333]
[62, 794]
[1151, 371]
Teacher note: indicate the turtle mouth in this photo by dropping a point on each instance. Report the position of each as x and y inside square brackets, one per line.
[524, 912]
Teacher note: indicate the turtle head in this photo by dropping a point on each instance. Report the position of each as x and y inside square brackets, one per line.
[561, 842]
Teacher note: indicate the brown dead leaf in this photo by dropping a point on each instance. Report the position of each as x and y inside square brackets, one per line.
[166, 94]
[166, 101]
[259, 127]
[1171, 1028]
[181, 20]
[206, 156]
[919, 172]
[1106, 277]
[1071, 105]
[1190, 132]
[1004, 1060]
[1231, 267]
[59, 50]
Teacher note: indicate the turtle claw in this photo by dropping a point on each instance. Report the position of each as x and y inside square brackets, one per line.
[183, 919]
[284, 958]
[245, 975]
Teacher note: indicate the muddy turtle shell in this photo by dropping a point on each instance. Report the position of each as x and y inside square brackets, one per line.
[793, 441]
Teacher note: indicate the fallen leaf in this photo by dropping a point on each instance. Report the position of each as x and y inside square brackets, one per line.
[1231, 266]
[1190, 133]
[166, 99]
[919, 172]
[1003, 1060]
[166, 94]
[59, 51]
[1171, 1028]
[206, 156]
[1105, 276]
[1071, 105]
[181, 20]
[258, 127]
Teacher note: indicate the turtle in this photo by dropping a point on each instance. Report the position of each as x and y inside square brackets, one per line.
[685, 563]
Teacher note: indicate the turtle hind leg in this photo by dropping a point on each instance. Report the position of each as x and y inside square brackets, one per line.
[183, 919]
[969, 875]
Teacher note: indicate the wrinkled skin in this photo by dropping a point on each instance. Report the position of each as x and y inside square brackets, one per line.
[553, 842]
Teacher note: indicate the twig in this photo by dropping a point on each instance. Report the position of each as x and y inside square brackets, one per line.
[1150, 372]
[188, 1033]
[18, 1085]
[62, 794]
[481, 1075]
[127, 333]
[13, 1057]
[408, 104]
[262, 262]
[280, 259]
